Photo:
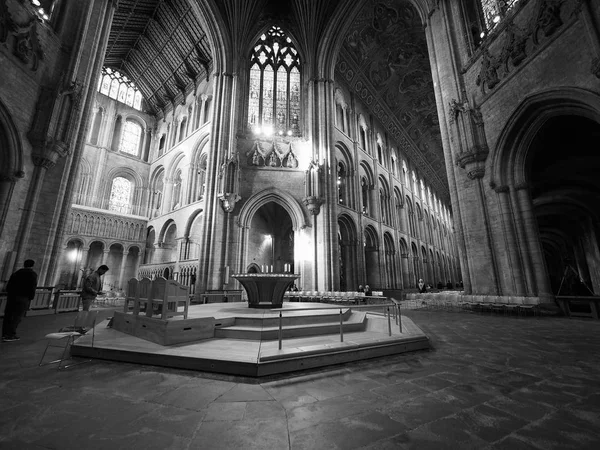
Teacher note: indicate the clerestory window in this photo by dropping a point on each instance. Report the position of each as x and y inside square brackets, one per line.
[43, 8]
[274, 87]
[131, 137]
[118, 86]
[482, 16]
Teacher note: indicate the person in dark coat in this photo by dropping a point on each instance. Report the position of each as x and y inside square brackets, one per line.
[92, 287]
[21, 290]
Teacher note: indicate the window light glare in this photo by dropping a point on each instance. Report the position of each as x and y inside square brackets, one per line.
[496, 19]
[45, 16]
[268, 130]
[35, 2]
[258, 130]
[41, 10]
[280, 132]
[289, 133]
[482, 35]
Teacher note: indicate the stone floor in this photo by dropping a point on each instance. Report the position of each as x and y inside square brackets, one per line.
[490, 382]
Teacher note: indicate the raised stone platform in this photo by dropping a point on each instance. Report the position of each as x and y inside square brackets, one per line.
[245, 342]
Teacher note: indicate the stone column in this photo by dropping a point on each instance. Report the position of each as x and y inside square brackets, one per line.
[122, 271]
[512, 250]
[83, 264]
[544, 290]
[7, 184]
[105, 254]
[167, 197]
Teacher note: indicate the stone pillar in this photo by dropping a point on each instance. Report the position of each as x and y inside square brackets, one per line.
[122, 271]
[168, 194]
[83, 264]
[7, 184]
[516, 274]
[203, 99]
[544, 290]
[105, 254]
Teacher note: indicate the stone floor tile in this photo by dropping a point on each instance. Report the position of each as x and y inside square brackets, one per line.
[242, 435]
[225, 411]
[245, 393]
[346, 433]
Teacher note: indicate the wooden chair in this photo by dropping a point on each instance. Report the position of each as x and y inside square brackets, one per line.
[144, 296]
[169, 296]
[64, 338]
[132, 294]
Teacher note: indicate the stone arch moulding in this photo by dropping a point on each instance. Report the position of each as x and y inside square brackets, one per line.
[507, 164]
[12, 158]
[163, 230]
[190, 222]
[285, 200]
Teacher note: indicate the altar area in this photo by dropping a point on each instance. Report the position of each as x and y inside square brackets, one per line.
[245, 341]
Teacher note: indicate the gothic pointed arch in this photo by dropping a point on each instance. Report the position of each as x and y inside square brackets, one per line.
[11, 156]
[282, 198]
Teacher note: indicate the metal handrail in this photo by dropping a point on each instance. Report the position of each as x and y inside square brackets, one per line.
[394, 303]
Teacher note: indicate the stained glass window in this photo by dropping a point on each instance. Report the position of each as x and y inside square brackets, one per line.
[43, 8]
[495, 10]
[274, 86]
[130, 139]
[119, 87]
[120, 193]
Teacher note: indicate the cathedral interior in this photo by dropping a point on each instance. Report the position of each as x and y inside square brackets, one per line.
[348, 142]
[353, 143]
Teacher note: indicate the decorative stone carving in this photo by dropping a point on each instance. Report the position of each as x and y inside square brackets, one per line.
[488, 73]
[228, 201]
[595, 67]
[313, 204]
[548, 18]
[21, 36]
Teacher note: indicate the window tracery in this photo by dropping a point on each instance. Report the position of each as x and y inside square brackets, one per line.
[274, 86]
[120, 194]
[118, 86]
[43, 8]
[130, 139]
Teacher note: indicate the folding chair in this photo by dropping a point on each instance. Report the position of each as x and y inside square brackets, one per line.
[84, 321]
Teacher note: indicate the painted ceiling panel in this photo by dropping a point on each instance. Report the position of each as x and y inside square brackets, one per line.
[385, 60]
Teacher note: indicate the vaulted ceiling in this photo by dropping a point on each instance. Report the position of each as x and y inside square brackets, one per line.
[385, 62]
[161, 47]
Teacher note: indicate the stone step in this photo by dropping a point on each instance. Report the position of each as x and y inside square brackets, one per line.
[356, 321]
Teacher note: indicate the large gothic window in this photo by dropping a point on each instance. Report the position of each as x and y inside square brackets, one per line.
[119, 87]
[482, 16]
[130, 139]
[495, 10]
[274, 93]
[120, 194]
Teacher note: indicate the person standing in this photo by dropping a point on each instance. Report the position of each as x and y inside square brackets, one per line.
[21, 290]
[92, 286]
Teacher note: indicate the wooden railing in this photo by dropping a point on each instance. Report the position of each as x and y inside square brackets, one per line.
[390, 308]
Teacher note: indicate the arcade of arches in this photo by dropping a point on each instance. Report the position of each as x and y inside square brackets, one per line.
[351, 142]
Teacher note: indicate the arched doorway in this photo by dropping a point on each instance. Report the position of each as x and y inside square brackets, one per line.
[348, 254]
[562, 170]
[371, 246]
[271, 239]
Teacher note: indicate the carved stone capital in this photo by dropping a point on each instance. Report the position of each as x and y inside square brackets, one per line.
[501, 189]
[476, 173]
[521, 186]
[42, 161]
[477, 154]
